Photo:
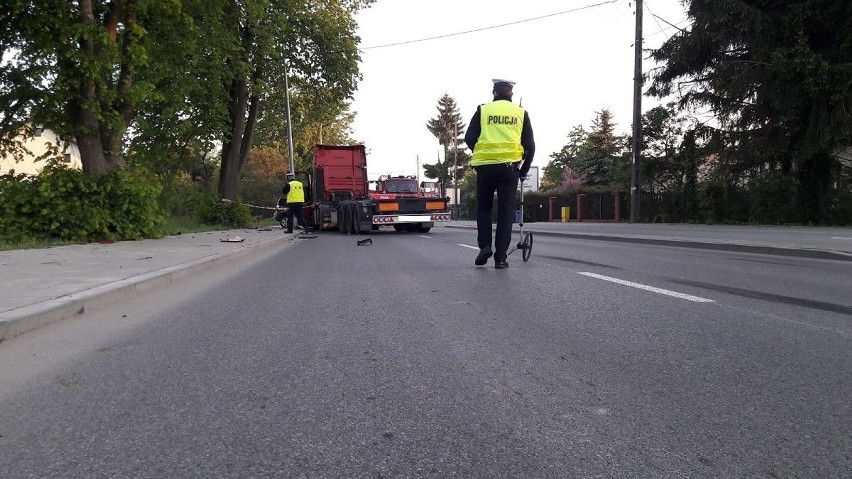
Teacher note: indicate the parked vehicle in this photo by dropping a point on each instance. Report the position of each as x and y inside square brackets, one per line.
[341, 198]
[280, 212]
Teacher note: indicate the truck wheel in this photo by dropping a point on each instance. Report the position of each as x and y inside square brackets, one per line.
[423, 229]
[350, 227]
[317, 218]
[342, 220]
[399, 228]
[347, 212]
[363, 225]
[356, 220]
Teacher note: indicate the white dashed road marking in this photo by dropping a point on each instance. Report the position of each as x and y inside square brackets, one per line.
[667, 292]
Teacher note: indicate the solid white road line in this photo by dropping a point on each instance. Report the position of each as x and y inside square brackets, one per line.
[468, 246]
[424, 236]
[841, 237]
[675, 294]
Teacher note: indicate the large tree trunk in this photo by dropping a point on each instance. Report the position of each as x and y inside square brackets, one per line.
[248, 137]
[101, 145]
[88, 131]
[230, 171]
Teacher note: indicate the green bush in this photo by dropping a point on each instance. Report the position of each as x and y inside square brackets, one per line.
[230, 214]
[181, 195]
[68, 205]
[774, 199]
[840, 206]
[261, 192]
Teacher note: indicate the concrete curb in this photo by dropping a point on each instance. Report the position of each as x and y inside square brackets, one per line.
[697, 244]
[31, 317]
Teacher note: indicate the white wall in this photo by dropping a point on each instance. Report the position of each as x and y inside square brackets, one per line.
[37, 146]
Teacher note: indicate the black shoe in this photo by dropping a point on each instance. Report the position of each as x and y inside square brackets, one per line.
[483, 256]
[501, 264]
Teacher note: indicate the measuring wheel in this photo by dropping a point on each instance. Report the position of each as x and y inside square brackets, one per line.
[526, 246]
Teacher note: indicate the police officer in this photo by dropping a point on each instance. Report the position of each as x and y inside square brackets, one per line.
[501, 138]
[295, 192]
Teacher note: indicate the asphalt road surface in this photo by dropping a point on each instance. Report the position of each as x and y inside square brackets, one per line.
[402, 359]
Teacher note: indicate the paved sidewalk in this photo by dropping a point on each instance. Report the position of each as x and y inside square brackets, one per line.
[796, 241]
[44, 285]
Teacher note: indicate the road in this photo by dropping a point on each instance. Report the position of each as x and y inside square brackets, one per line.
[402, 359]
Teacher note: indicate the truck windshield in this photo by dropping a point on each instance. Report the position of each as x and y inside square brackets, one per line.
[401, 186]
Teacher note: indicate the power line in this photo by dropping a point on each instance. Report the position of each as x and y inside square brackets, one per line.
[488, 28]
[662, 30]
[656, 20]
[673, 25]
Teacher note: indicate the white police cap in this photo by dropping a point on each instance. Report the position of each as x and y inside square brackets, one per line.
[501, 82]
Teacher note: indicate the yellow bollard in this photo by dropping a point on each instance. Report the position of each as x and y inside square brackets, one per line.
[566, 213]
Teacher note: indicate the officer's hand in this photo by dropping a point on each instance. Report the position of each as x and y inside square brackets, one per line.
[523, 176]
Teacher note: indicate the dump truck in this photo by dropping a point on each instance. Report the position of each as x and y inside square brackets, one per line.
[341, 197]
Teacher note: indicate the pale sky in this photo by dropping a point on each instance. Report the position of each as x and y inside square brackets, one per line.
[567, 67]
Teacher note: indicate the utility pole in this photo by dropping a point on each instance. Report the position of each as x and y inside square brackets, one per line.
[637, 117]
[289, 119]
[455, 164]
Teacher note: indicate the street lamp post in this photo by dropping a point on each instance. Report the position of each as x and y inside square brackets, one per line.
[289, 119]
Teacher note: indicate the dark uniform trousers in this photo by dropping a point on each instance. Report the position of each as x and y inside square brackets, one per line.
[294, 213]
[502, 178]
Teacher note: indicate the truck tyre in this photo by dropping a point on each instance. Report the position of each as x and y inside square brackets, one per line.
[347, 212]
[399, 228]
[343, 219]
[423, 229]
[356, 220]
[317, 219]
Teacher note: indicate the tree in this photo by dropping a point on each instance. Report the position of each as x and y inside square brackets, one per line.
[330, 124]
[183, 118]
[446, 127]
[564, 159]
[777, 76]
[604, 161]
[570, 180]
[313, 45]
[82, 69]
[662, 134]
[267, 163]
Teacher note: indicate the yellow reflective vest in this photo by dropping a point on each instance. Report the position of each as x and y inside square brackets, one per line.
[296, 193]
[500, 136]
